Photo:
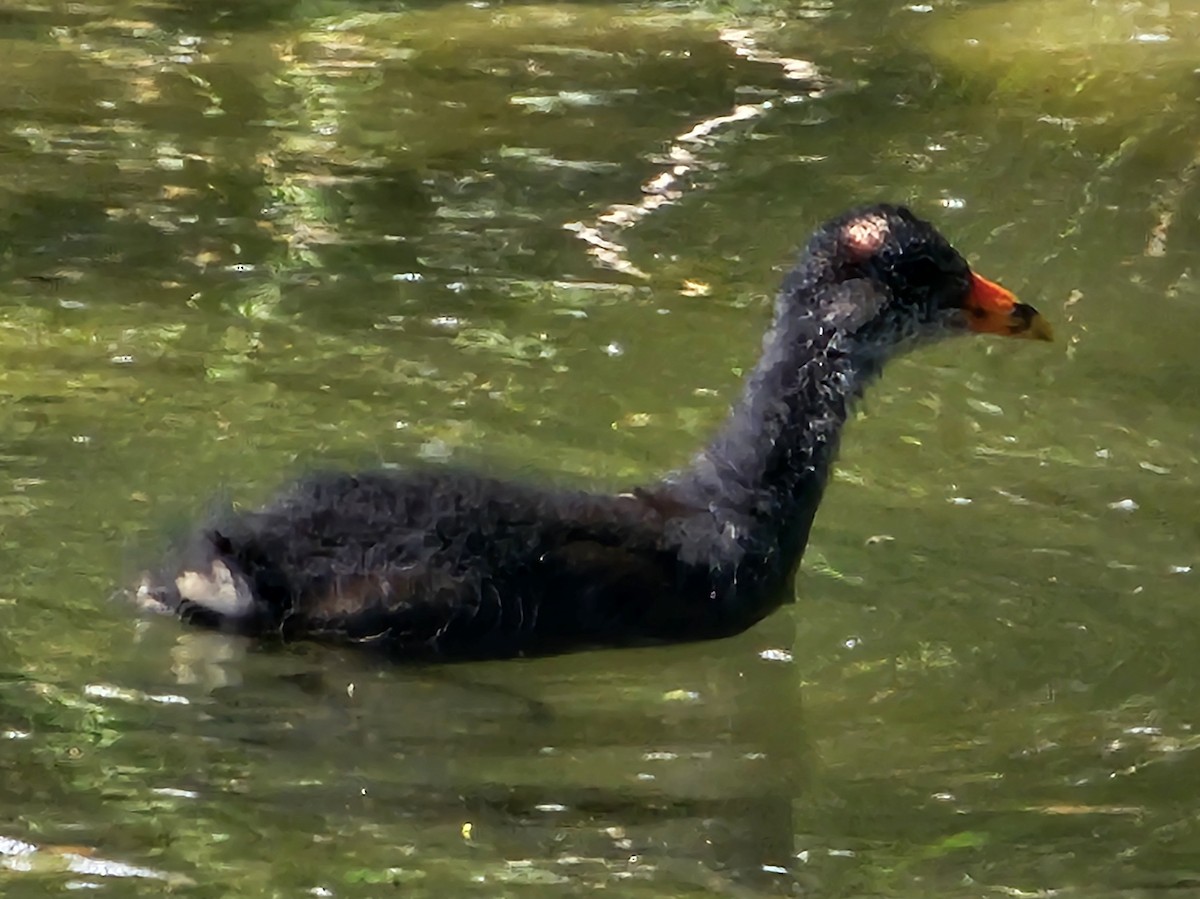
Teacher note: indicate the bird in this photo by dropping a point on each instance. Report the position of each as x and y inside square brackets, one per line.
[435, 563]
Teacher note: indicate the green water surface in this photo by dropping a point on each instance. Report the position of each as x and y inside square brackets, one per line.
[241, 239]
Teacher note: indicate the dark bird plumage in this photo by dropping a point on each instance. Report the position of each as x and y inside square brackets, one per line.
[436, 563]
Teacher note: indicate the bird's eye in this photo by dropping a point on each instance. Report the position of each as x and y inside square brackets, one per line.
[921, 277]
[926, 270]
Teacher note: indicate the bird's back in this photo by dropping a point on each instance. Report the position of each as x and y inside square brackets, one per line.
[441, 563]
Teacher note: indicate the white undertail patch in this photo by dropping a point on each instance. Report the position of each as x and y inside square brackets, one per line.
[221, 591]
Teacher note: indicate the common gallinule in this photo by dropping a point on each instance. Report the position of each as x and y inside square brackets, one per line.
[438, 563]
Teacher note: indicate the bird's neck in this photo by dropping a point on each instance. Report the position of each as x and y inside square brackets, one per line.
[763, 475]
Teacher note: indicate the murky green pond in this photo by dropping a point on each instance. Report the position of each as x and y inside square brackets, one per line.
[245, 239]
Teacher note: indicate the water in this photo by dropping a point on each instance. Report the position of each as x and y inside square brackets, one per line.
[244, 240]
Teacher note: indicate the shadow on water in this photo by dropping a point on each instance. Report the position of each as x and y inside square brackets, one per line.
[640, 767]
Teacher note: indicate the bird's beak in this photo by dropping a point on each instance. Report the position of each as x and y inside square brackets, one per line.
[993, 310]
